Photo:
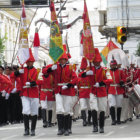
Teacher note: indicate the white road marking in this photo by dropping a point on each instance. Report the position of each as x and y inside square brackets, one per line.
[38, 135]
[9, 138]
[12, 128]
[108, 134]
[122, 127]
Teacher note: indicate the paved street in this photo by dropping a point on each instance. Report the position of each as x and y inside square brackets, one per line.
[128, 131]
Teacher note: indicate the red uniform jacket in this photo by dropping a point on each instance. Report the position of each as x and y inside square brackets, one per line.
[84, 86]
[62, 76]
[117, 77]
[47, 83]
[14, 79]
[5, 83]
[99, 76]
[29, 75]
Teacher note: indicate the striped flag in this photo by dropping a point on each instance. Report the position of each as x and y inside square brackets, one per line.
[56, 44]
[23, 52]
[106, 50]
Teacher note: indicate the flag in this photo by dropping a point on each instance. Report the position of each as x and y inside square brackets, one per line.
[106, 50]
[56, 44]
[88, 46]
[23, 52]
[81, 43]
[36, 44]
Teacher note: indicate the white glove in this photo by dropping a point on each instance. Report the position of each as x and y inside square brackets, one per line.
[14, 90]
[54, 67]
[90, 72]
[3, 93]
[21, 71]
[7, 96]
[27, 83]
[96, 85]
[64, 87]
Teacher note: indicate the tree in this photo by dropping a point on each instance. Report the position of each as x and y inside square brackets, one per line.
[2, 48]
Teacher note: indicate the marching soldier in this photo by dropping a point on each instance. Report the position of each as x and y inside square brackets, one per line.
[65, 79]
[47, 96]
[116, 92]
[30, 100]
[98, 95]
[84, 85]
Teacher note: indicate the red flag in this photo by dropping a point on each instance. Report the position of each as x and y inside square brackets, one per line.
[88, 46]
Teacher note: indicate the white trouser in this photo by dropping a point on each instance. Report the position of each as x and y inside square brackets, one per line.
[124, 112]
[43, 104]
[115, 100]
[63, 104]
[107, 110]
[130, 109]
[51, 105]
[84, 103]
[137, 110]
[75, 107]
[54, 114]
[30, 106]
[98, 103]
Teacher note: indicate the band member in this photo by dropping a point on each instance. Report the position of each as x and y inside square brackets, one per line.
[30, 100]
[84, 86]
[126, 103]
[136, 72]
[65, 79]
[115, 92]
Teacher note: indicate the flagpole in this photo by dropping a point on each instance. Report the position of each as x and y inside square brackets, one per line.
[13, 58]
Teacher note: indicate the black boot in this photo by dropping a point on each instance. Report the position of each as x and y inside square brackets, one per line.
[70, 125]
[66, 124]
[26, 125]
[95, 121]
[33, 125]
[50, 118]
[101, 121]
[60, 121]
[89, 117]
[83, 114]
[113, 116]
[44, 118]
[119, 115]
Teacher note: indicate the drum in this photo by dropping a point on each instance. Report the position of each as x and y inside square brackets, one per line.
[134, 95]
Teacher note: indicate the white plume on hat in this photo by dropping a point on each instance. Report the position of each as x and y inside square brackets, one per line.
[131, 59]
[125, 62]
[138, 62]
[118, 58]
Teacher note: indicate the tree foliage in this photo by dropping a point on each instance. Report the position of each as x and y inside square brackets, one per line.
[138, 50]
[2, 47]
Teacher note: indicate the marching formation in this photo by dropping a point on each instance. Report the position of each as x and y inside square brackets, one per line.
[64, 94]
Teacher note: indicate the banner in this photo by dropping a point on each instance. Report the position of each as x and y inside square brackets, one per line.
[56, 44]
[23, 52]
[109, 47]
[88, 46]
